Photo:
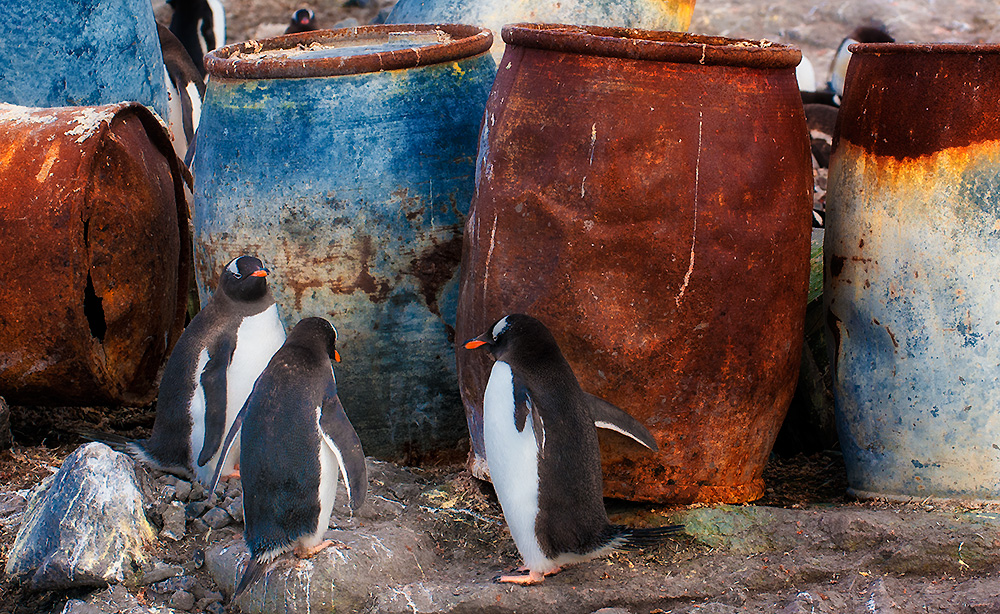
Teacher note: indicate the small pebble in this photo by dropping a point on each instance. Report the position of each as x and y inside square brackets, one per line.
[182, 600]
[215, 608]
[198, 558]
[202, 604]
[198, 526]
[196, 508]
[197, 492]
[168, 493]
[173, 585]
[235, 509]
[183, 490]
[217, 518]
[160, 572]
[174, 522]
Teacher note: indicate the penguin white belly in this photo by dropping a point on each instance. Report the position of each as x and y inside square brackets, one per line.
[512, 458]
[329, 469]
[196, 438]
[257, 339]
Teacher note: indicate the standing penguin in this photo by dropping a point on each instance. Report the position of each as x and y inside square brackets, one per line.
[210, 373]
[296, 438]
[543, 454]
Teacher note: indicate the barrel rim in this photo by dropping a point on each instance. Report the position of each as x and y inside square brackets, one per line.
[925, 48]
[652, 45]
[225, 61]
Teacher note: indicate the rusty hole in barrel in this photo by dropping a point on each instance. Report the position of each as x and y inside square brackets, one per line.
[93, 309]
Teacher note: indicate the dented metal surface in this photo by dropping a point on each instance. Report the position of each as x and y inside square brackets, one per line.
[96, 254]
[655, 215]
[912, 244]
[354, 188]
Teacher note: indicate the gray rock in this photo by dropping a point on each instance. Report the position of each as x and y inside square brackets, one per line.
[612, 611]
[182, 600]
[11, 504]
[235, 509]
[160, 571]
[113, 600]
[174, 522]
[195, 509]
[217, 518]
[88, 528]
[183, 489]
[349, 22]
[172, 585]
[198, 526]
[215, 608]
[197, 492]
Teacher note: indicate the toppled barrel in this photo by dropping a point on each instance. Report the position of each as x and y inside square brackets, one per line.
[96, 253]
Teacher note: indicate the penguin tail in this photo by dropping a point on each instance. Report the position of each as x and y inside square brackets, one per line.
[254, 571]
[640, 539]
[113, 441]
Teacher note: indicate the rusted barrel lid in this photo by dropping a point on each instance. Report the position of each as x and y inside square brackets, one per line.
[652, 45]
[348, 51]
[942, 48]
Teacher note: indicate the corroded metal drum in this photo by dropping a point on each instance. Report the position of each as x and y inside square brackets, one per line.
[346, 159]
[494, 14]
[647, 195]
[912, 253]
[96, 254]
[80, 52]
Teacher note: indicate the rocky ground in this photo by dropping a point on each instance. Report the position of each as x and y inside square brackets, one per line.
[432, 539]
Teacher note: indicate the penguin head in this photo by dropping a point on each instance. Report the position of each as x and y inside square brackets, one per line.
[517, 335]
[303, 20]
[244, 279]
[316, 331]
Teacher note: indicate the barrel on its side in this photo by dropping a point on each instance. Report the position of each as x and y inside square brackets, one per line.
[345, 159]
[647, 195]
[96, 254]
[912, 250]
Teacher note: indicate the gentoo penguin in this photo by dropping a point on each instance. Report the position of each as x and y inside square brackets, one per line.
[543, 455]
[296, 438]
[210, 373]
[200, 25]
[185, 91]
[874, 33]
[303, 20]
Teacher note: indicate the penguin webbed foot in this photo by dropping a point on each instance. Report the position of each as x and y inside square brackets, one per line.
[307, 552]
[532, 577]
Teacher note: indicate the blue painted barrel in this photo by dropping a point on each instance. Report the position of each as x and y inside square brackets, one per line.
[911, 256]
[79, 53]
[345, 159]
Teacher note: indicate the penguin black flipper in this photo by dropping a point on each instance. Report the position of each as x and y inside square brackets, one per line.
[613, 418]
[523, 407]
[213, 382]
[343, 440]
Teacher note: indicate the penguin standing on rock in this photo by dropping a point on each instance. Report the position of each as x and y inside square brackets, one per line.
[543, 454]
[296, 439]
[210, 373]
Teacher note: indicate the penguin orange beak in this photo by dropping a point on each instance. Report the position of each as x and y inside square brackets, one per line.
[472, 344]
[259, 273]
[336, 356]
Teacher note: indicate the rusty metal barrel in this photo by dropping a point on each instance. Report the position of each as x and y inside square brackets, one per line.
[346, 159]
[96, 254]
[647, 195]
[912, 253]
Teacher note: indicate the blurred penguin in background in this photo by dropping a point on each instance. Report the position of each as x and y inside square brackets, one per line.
[303, 20]
[200, 25]
[185, 90]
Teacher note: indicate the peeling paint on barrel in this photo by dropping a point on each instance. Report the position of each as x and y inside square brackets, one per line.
[353, 186]
[912, 244]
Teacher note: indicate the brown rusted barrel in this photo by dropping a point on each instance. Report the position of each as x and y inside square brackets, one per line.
[95, 252]
[647, 196]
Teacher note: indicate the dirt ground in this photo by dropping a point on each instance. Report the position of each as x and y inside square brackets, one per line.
[815, 484]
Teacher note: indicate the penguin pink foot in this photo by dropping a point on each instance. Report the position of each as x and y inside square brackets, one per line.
[532, 577]
[308, 553]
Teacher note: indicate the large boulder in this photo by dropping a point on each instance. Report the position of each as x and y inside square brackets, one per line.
[85, 526]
